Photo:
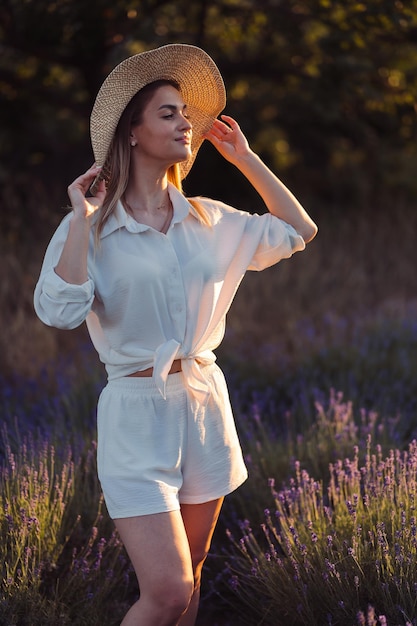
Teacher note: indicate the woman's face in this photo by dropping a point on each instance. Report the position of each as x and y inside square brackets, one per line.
[164, 133]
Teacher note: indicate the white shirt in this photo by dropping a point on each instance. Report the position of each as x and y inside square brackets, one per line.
[151, 297]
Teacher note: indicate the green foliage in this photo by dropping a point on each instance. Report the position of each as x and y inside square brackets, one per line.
[328, 549]
[34, 496]
[324, 90]
[313, 436]
[61, 558]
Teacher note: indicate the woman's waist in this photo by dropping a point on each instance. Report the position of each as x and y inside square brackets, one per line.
[176, 367]
[165, 359]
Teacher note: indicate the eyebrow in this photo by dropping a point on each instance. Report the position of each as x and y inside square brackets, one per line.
[172, 107]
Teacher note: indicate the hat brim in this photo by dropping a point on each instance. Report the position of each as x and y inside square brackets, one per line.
[201, 85]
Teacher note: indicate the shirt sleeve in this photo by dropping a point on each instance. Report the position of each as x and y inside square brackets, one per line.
[276, 240]
[58, 303]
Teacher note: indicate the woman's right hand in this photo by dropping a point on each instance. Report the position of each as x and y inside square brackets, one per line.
[82, 206]
[72, 264]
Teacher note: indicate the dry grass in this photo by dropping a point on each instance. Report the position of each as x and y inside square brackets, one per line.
[27, 344]
[358, 270]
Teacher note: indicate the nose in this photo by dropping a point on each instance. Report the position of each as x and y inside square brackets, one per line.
[185, 123]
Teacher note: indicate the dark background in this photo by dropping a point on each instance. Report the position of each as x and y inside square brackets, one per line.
[325, 91]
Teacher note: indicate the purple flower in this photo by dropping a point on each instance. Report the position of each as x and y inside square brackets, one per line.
[234, 582]
[360, 618]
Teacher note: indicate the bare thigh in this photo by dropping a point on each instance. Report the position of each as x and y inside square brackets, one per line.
[200, 522]
[163, 545]
[158, 547]
[167, 551]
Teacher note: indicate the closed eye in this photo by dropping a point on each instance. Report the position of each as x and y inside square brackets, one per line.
[174, 109]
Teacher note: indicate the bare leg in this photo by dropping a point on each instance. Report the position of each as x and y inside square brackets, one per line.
[167, 551]
[199, 521]
[159, 550]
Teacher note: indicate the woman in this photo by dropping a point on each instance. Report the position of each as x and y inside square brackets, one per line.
[153, 274]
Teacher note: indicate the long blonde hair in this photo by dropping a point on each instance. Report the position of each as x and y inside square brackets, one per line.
[117, 166]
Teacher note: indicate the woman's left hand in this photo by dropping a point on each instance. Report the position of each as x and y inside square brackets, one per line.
[227, 137]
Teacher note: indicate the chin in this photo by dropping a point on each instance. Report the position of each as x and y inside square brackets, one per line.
[183, 158]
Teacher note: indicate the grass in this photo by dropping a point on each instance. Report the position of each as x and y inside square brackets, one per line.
[320, 359]
[329, 547]
[62, 563]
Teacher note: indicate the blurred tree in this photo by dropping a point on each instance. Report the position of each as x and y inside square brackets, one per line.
[324, 89]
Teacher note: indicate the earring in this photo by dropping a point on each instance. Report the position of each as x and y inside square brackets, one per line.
[133, 143]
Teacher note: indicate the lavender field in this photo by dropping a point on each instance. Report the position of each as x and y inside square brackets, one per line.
[321, 359]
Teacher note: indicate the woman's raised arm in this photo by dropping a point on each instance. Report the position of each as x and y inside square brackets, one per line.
[231, 143]
[72, 265]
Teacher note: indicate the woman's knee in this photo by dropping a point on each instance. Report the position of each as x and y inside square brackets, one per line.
[178, 596]
[172, 597]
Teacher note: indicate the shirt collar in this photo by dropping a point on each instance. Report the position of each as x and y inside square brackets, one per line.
[121, 219]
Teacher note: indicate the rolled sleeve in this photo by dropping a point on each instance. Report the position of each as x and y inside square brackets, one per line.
[61, 304]
[279, 241]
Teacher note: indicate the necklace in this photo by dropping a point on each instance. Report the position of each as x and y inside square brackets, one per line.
[168, 217]
[157, 208]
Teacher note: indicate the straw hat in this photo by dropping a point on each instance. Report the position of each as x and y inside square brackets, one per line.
[201, 84]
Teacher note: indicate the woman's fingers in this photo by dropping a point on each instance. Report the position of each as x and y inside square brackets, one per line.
[231, 121]
[226, 135]
[226, 129]
[84, 181]
[220, 129]
[78, 189]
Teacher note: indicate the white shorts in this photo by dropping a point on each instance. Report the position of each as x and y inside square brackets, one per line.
[155, 454]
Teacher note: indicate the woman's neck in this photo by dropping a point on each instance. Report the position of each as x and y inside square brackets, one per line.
[146, 195]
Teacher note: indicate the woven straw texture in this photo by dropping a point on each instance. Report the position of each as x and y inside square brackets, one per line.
[201, 86]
